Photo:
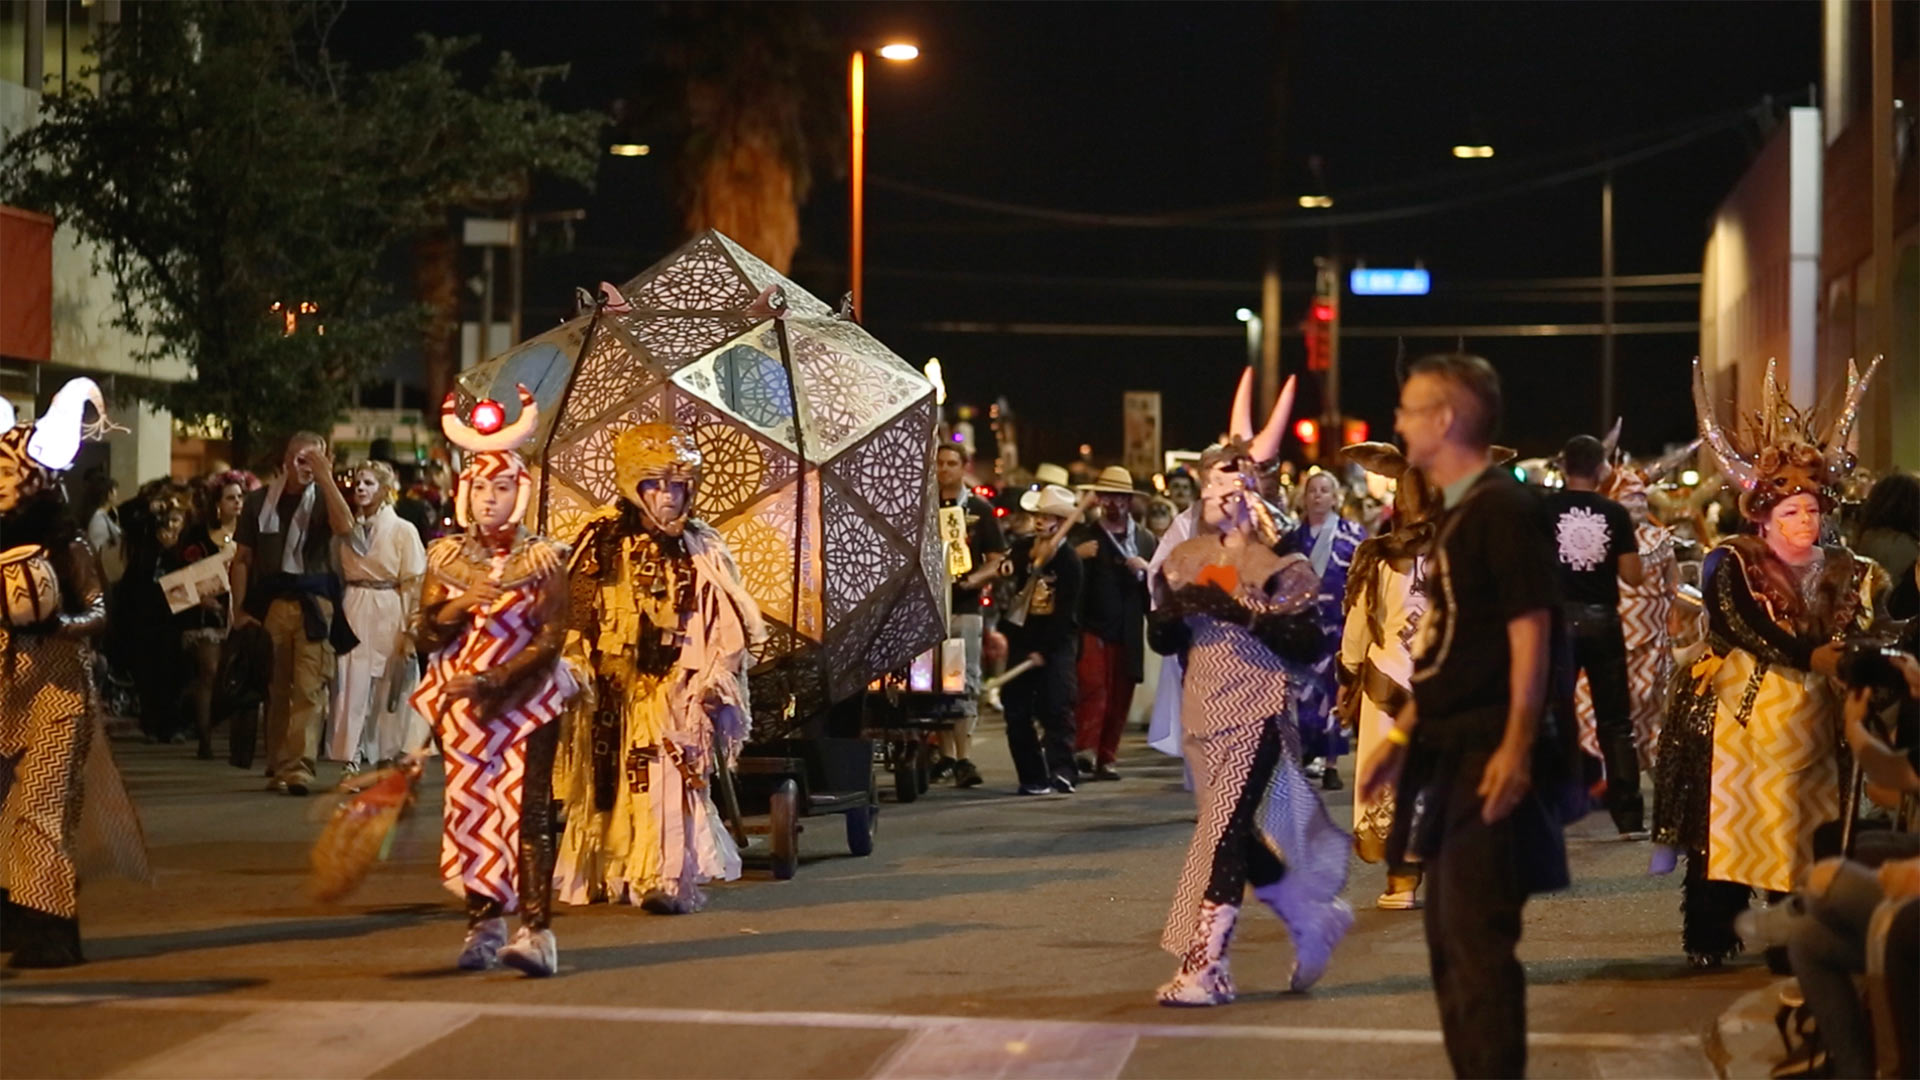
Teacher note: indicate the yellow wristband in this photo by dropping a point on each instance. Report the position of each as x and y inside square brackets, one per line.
[1398, 737]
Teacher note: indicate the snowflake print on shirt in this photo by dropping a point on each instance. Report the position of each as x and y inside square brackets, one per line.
[1583, 537]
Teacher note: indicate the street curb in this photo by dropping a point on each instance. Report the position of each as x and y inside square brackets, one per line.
[1741, 1044]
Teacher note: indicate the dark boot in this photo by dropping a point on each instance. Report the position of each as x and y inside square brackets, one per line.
[41, 940]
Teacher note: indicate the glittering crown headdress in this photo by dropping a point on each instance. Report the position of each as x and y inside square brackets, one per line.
[1780, 452]
[491, 447]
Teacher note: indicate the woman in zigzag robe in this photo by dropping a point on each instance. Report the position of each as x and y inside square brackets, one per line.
[493, 614]
[1749, 756]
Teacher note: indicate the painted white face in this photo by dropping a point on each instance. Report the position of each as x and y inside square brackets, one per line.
[368, 491]
[492, 502]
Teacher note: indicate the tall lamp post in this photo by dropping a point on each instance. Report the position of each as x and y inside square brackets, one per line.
[899, 52]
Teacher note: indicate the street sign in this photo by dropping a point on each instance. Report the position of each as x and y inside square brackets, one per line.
[1363, 281]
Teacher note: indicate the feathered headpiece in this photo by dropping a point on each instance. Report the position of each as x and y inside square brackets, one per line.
[492, 449]
[1781, 452]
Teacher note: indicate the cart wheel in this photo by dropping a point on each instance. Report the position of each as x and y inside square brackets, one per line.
[923, 767]
[784, 809]
[906, 787]
[862, 823]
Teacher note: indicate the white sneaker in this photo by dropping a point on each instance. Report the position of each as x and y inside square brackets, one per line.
[482, 948]
[1314, 768]
[534, 952]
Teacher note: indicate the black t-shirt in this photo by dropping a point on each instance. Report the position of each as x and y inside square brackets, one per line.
[1590, 534]
[1052, 628]
[983, 538]
[1494, 563]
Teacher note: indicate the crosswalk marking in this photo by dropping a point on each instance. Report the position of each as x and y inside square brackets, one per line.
[317, 1041]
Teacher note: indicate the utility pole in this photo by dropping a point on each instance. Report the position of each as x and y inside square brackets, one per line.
[1606, 303]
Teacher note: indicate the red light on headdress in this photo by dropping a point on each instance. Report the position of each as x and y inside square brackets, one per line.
[488, 417]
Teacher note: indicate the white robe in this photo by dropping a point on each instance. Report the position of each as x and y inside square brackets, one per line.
[372, 720]
[1163, 731]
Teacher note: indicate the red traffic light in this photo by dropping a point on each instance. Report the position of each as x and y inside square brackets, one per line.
[1307, 431]
[1355, 431]
[1321, 311]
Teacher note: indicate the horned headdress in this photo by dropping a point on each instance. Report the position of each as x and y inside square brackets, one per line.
[1780, 452]
[1262, 447]
[492, 449]
[49, 445]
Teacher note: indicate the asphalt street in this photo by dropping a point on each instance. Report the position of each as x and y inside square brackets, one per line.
[987, 935]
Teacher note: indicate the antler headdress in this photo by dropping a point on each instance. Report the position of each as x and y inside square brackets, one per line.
[1781, 453]
[492, 449]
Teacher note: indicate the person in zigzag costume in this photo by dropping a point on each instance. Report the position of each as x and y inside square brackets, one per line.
[1749, 756]
[493, 615]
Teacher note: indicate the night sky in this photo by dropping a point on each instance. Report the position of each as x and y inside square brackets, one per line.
[1147, 109]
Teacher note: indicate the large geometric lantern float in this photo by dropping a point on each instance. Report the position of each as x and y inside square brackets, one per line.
[818, 447]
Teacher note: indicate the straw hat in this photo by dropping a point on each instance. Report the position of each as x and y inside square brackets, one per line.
[1048, 473]
[1112, 480]
[1052, 500]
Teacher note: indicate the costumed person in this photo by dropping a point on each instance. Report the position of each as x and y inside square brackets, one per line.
[1749, 757]
[1244, 450]
[493, 616]
[53, 751]
[1113, 552]
[1041, 624]
[1386, 598]
[1241, 616]
[381, 561]
[663, 624]
[976, 551]
[1645, 608]
[1329, 541]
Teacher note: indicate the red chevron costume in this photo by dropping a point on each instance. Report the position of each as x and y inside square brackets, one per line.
[493, 616]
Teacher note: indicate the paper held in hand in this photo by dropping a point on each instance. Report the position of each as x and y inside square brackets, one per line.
[189, 585]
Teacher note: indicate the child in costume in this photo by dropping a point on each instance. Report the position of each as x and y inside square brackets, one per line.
[663, 623]
[493, 615]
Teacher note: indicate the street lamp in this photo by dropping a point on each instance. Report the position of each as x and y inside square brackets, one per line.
[629, 149]
[898, 52]
[1480, 150]
[1255, 329]
[1316, 202]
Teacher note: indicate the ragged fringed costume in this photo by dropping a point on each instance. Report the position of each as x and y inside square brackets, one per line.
[1750, 754]
[1386, 597]
[55, 765]
[663, 624]
[1236, 612]
[493, 689]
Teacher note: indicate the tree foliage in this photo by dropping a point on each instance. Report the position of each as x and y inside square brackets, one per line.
[229, 164]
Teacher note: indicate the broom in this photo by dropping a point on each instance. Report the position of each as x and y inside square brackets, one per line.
[360, 830]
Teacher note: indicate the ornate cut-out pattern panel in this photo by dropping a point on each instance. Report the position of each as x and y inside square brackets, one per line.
[911, 628]
[762, 539]
[612, 374]
[586, 460]
[760, 275]
[847, 670]
[745, 380]
[673, 341]
[933, 555]
[845, 396]
[699, 277]
[889, 470]
[859, 558]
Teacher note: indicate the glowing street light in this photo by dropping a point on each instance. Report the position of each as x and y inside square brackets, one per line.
[1478, 151]
[1244, 314]
[1316, 202]
[627, 149]
[898, 52]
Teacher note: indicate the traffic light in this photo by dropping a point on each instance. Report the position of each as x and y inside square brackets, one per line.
[1317, 327]
[1354, 430]
[1307, 430]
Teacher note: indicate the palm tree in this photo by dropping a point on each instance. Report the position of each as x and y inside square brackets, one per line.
[748, 98]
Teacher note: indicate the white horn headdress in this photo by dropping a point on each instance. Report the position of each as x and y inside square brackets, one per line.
[492, 449]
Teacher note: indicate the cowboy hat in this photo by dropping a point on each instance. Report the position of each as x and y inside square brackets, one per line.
[1112, 480]
[1048, 473]
[1052, 500]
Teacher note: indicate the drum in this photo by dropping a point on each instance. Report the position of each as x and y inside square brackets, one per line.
[29, 591]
